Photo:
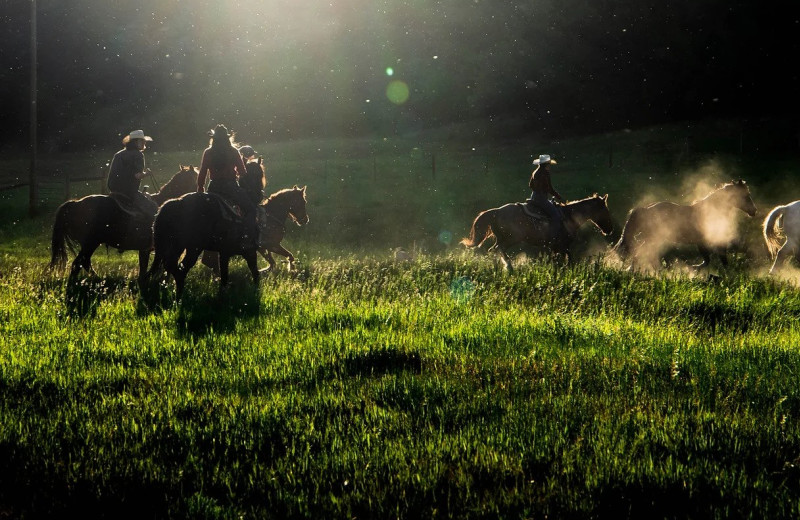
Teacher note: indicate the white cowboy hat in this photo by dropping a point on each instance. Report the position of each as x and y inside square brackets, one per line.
[544, 159]
[247, 151]
[136, 134]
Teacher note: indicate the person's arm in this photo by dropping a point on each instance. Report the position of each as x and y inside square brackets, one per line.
[139, 171]
[238, 164]
[552, 190]
[201, 177]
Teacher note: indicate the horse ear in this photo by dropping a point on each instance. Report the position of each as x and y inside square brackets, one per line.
[605, 197]
[295, 187]
[304, 187]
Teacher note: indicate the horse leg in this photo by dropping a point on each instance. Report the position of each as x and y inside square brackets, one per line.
[182, 269]
[252, 262]
[190, 259]
[506, 260]
[706, 254]
[210, 259]
[280, 250]
[268, 257]
[84, 259]
[144, 260]
[224, 259]
[780, 259]
[722, 254]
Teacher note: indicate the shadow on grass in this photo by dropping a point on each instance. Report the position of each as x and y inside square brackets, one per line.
[378, 362]
[205, 307]
[84, 294]
[373, 363]
[202, 313]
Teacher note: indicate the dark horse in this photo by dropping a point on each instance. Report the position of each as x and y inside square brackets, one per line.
[511, 225]
[707, 223]
[200, 221]
[99, 219]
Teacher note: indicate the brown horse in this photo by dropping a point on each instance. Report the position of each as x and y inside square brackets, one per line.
[707, 223]
[198, 222]
[285, 203]
[512, 226]
[87, 223]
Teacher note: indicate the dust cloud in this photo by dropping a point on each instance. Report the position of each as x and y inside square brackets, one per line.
[698, 212]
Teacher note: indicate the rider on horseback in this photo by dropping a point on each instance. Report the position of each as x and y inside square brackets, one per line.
[541, 189]
[127, 170]
[223, 164]
[253, 181]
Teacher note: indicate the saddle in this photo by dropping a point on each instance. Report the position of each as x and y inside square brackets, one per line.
[534, 213]
[129, 206]
[228, 209]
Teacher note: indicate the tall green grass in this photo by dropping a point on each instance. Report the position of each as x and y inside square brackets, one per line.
[365, 387]
[361, 386]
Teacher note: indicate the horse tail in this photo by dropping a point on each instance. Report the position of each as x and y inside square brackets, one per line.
[481, 228]
[624, 247]
[58, 242]
[773, 232]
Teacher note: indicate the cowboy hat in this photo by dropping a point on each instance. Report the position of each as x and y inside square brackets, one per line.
[136, 134]
[219, 131]
[247, 151]
[544, 159]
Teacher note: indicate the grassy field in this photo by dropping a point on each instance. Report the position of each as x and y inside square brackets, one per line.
[364, 387]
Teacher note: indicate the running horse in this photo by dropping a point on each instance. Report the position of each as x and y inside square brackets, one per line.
[781, 229]
[707, 223]
[197, 222]
[86, 223]
[511, 225]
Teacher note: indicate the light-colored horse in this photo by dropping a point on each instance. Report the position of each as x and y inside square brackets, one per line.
[707, 223]
[511, 226]
[782, 234]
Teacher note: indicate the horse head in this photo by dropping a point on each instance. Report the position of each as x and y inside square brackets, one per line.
[297, 205]
[603, 216]
[595, 208]
[740, 197]
[184, 181]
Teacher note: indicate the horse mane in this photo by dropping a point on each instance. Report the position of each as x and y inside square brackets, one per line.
[719, 189]
[278, 194]
[590, 197]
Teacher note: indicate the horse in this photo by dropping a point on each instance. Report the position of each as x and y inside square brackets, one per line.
[99, 219]
[781, 231]
[277, 207]
[511, 226]
[707, 224]
[200, 221]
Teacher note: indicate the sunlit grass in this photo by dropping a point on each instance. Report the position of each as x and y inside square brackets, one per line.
[381, 388]
[364, 386]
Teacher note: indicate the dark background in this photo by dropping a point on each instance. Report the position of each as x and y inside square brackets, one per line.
[284, 69]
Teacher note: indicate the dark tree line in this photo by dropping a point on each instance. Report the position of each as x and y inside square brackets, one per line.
[283, 69]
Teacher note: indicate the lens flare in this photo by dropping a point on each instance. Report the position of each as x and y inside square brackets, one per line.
[462, 289]
[445, 237]
[397, 92]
